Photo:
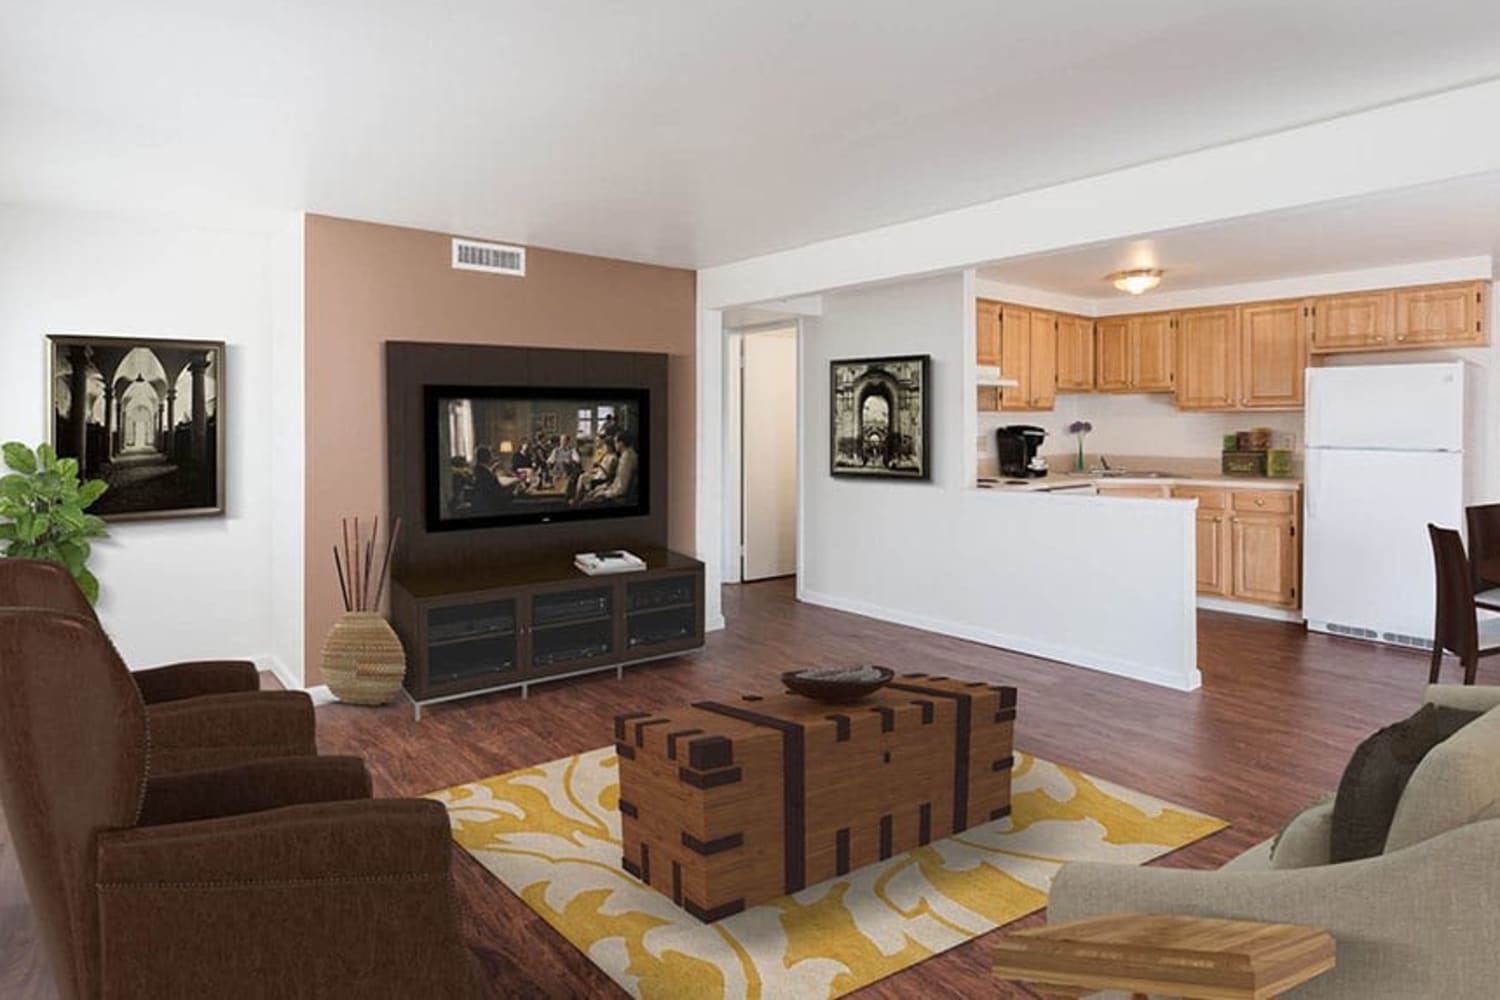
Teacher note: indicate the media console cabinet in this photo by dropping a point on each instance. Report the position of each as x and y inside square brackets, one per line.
[477, 630]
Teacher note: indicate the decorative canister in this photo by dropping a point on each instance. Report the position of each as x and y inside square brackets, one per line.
[363, 660]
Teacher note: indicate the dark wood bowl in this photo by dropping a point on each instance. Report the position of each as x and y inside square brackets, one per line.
[834, 691]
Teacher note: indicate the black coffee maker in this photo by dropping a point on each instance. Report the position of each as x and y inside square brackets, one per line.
[1019, 444]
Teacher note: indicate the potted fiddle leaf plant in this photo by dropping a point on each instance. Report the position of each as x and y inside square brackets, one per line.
[43, 511]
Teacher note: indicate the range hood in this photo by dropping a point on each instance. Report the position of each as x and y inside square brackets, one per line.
[989, 375]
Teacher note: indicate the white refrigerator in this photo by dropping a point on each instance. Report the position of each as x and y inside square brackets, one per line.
[1385, 457]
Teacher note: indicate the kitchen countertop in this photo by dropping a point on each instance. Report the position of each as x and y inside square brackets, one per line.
[1061, 481]
[1171, 471]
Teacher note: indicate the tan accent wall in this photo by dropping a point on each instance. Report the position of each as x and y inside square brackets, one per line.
[368, 283]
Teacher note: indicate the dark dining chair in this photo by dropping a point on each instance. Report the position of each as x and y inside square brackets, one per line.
[1457, 628]
[1484, 553]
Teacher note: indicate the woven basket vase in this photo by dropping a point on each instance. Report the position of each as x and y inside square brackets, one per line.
[363, 661]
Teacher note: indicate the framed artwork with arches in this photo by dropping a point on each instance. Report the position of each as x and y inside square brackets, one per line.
[146, 416]
[880, 418]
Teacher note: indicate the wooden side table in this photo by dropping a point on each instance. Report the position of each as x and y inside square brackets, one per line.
[1201, 958]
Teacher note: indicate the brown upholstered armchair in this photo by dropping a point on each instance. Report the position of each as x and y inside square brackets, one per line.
[204, 713]
[274, 878]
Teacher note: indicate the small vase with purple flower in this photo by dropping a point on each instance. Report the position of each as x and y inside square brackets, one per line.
[1080, 429]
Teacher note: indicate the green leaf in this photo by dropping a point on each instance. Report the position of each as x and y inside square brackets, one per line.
[7, 532]
[68, 469]
[39, 526]
[73, 555]
[91, 491]
[89, 584]
[47, 456]
[97, 528]
[19, 457]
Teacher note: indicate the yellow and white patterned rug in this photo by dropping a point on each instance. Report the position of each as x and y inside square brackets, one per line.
[551, 834]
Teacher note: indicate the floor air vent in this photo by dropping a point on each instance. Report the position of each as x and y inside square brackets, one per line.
[491, 258]
[1352, 630]
[1397, 639]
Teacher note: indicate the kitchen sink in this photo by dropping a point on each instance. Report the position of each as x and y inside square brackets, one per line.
[1128, 474]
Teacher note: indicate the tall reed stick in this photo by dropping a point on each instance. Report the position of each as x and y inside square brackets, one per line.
[385, 566]
[363, 570]
[343, 587]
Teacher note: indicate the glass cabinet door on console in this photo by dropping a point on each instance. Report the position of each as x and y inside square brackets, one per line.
[660, 612]
[477, 642]
[568, 628]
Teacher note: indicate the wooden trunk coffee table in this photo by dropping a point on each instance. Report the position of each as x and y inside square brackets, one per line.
[1202, 958]
[727, 804]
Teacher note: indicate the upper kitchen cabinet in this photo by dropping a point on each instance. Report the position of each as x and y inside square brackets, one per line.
[1273, 355]
[1447, 315]
[987, 328]
[1028, 354]
[1208, 356]
[1112, 354]
[1450, 315]
[1357, 322]
[1075, 354]
[1135, 353]
[1152, 357]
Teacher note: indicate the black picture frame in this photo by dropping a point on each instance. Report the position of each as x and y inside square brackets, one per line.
[150, 421]
[892, 447]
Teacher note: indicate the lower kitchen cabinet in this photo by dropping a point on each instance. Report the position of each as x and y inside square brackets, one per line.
[1264, 559]
[1248, 547]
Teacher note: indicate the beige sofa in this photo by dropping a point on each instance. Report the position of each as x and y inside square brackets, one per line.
[1421, 920]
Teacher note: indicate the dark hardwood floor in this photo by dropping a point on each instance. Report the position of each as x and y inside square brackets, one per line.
[1277, 717]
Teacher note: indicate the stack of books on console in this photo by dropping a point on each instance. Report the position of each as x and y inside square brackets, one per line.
[602, 563]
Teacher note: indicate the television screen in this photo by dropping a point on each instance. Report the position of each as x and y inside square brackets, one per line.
[498, 456]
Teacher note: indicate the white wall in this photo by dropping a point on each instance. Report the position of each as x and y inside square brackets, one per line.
[288, 447]
[1103, 583]
[192, 587]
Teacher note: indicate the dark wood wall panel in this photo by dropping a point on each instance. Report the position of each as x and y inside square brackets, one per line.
[410, 366]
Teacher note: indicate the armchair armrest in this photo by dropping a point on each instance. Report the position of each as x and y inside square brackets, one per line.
[334, 899]
[222, 729]
[1402, 920]
[1468, 697]
[195, 677]
[253, 787]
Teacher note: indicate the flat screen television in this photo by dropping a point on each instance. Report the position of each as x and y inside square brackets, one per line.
[506, 455]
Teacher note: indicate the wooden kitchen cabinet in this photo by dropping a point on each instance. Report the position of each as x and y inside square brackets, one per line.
[1212, 537]
[987, 329]
[1112, 354]
[1358, 322]
[1439, 315]
[1075, 353]
[1139, 492]
[1273, 355]
[1152, 357]
[1028, 353]
[1264, 556]
[1135, 353]
[1208, 359]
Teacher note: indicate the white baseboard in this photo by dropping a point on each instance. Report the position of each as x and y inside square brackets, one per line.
[1249, 610]
[278, 669]
[714, 623]
[1108, 665]
[321, 695]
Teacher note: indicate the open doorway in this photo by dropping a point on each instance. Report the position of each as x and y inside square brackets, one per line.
[761, 467]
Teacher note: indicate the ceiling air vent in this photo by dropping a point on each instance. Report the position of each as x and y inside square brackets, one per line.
[492, 258]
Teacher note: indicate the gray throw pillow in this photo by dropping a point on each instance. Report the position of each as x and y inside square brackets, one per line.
[1377, 775]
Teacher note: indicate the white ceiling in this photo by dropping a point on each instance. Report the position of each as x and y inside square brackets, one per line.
[1433, 222]
[676, 131]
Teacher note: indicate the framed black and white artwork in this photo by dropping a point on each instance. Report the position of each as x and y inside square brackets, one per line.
[880, 419]
[144, 415]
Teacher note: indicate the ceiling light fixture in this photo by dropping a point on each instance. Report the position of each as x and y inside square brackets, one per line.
[1142, 279]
